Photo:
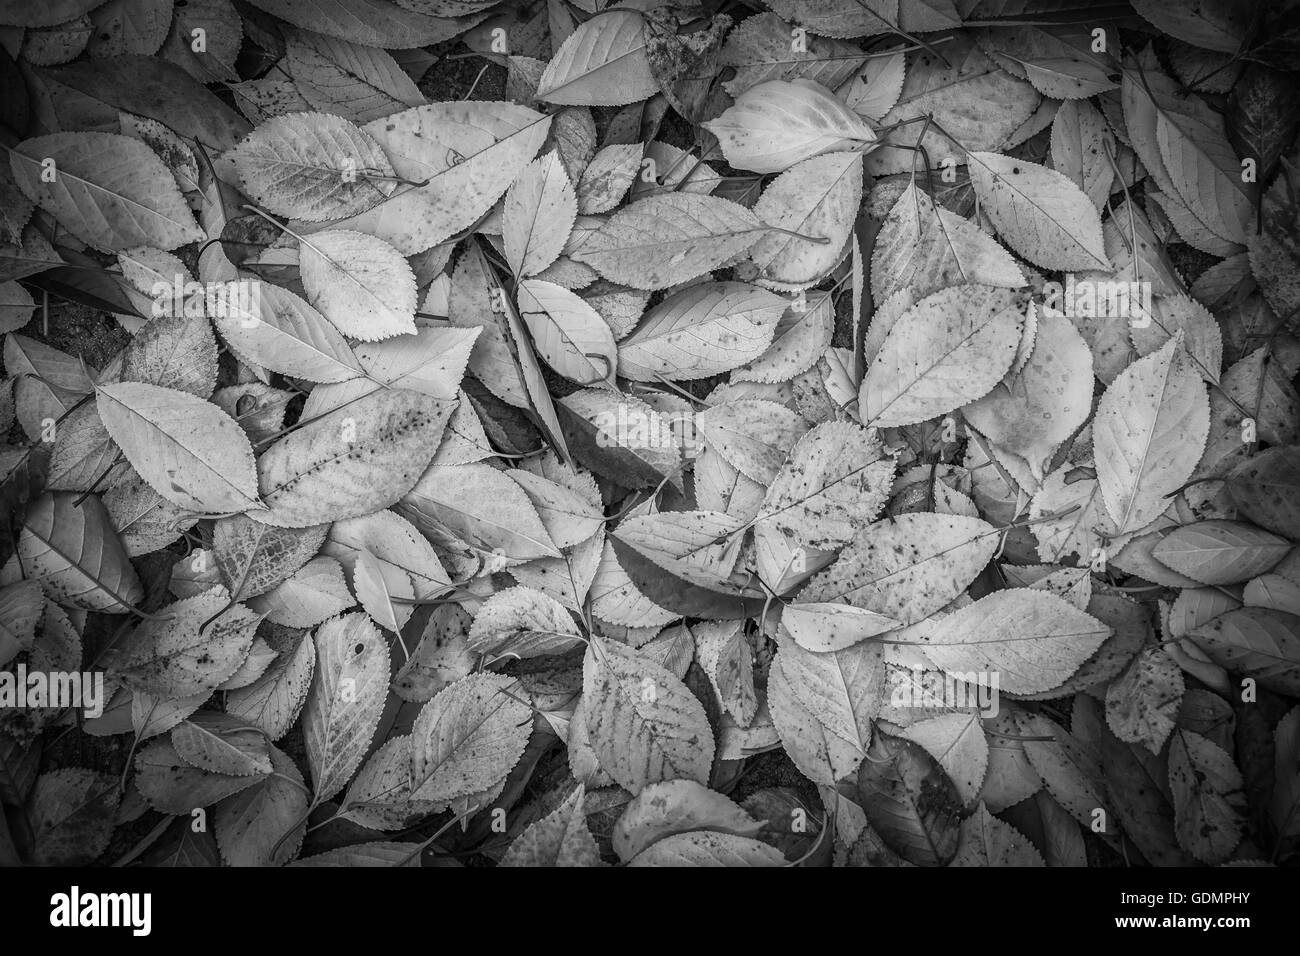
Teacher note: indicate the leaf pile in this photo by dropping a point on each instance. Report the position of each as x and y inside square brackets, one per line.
[858, 433]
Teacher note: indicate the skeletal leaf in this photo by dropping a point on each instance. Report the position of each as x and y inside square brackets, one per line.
[253, 557]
